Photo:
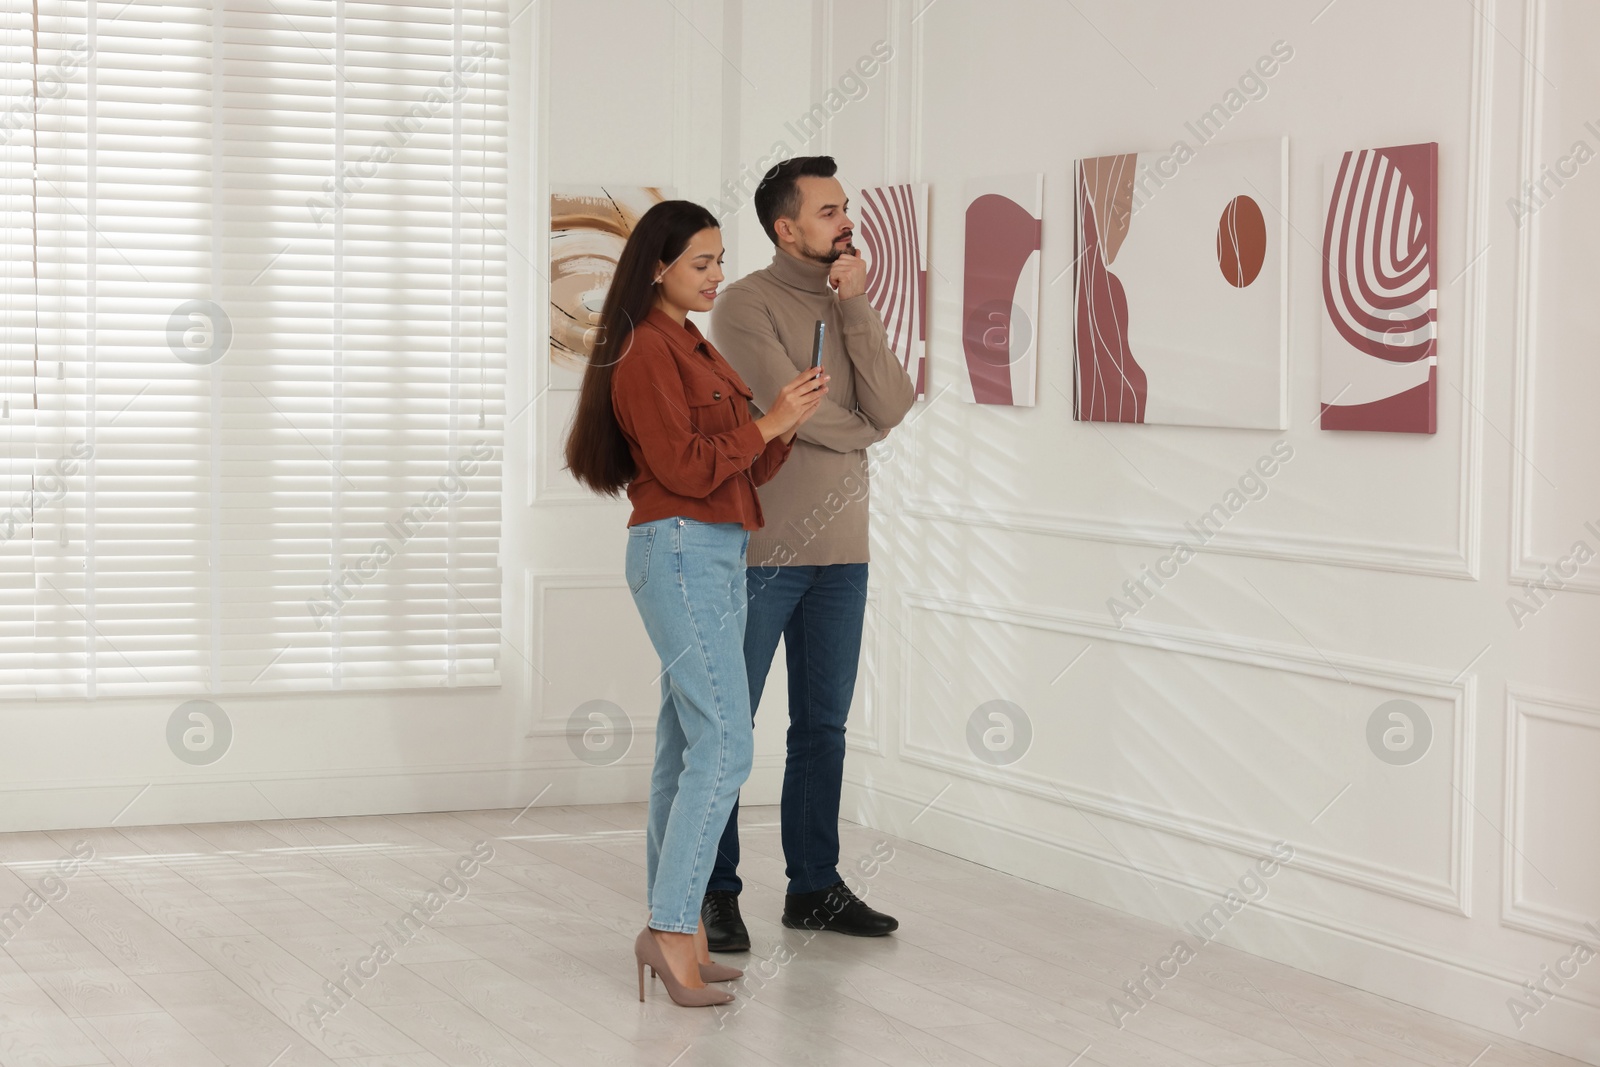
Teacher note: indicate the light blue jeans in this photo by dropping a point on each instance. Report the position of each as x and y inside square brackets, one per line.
[688, 581]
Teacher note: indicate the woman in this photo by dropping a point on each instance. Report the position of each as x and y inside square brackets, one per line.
[664, 415]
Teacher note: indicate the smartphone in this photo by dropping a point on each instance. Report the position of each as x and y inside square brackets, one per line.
[816, 344]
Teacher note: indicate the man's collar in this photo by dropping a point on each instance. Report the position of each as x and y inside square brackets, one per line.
[804, 274]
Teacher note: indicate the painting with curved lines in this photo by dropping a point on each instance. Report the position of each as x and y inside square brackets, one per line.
[589, 224]
[1000, 289]
[1380, 291]
[892, 237]
[1180, 302]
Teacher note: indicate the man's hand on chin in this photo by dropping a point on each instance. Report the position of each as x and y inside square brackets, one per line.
[848, 275]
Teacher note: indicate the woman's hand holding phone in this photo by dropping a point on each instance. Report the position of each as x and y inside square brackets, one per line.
[796, 403]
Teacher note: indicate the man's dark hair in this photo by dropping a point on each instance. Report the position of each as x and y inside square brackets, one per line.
[778, 195]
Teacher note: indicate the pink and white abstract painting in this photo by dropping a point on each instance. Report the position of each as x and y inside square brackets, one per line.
[1000, 289]
[1380, 291]
[1180, 309]
[892, 237]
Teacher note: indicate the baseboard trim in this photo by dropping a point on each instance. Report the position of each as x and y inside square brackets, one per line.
[1457, 987]
[378, 791]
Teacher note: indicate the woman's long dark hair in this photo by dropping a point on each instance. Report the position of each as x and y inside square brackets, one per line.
[597, 453]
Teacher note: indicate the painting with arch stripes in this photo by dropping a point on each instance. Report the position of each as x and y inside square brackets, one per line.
[892, 237]
[1380, 291]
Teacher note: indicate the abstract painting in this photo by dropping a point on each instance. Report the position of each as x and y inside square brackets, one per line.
[1380, 289]
[588, 227]
[1000, 289]
[892, 237]
[1180, 317]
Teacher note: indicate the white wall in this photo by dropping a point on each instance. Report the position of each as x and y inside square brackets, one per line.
[1232, 711]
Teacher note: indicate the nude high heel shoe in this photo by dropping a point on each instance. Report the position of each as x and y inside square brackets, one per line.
[710, 971]
[647, 953]
[716, 972]
[713, 972]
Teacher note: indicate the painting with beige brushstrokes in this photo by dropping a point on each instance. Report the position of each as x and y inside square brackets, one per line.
[589, 224]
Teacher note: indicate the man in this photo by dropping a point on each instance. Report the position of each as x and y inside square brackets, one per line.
[807, 568]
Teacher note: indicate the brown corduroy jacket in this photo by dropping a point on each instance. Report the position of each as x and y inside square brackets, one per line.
[686, 415]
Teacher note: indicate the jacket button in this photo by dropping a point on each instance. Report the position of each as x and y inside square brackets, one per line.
[716, 396]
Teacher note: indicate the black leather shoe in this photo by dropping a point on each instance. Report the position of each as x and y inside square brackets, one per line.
[835, 908]
[725, 929]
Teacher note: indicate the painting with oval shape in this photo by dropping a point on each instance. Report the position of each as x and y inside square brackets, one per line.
[589, 224]
[1181, 296]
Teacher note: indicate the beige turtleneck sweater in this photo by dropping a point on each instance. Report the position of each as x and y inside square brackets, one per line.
[816, 505]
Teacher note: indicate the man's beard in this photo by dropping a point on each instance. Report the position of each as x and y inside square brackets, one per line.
[834, 251]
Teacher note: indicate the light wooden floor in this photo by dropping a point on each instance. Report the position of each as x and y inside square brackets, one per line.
[205, 944]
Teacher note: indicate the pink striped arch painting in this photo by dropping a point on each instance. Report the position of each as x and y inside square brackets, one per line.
[1380, 288]
[892, 237]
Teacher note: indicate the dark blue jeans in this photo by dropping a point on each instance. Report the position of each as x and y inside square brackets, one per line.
[818, 611]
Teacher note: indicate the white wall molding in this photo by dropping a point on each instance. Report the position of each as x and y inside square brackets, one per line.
[1516, 911]
[1525, 564]
[897, 805]
[541, 491]
[1452, 893]
[870, 739]
[1292, 548]
[822, 67]
[895, 22]
[1475, 306]
[536, 586]
[766, 771]
[314, 793]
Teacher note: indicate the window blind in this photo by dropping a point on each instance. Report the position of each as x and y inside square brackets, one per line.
[254, 345]
[17, 415]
